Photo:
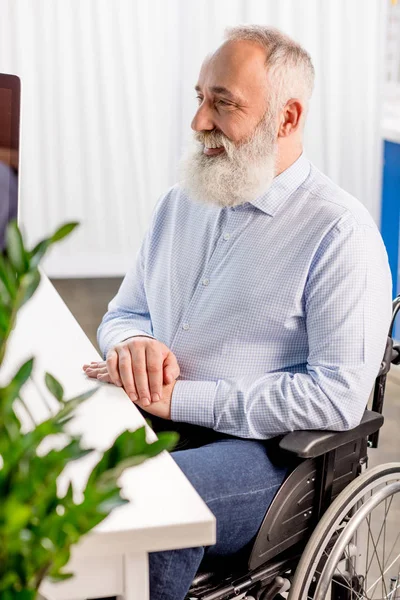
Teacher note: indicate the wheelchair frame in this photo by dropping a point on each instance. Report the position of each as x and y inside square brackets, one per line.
[323, 464]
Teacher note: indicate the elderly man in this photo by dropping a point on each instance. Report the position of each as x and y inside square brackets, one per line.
[260, 299]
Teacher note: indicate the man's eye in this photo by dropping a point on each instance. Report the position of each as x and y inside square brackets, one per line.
[223, 102]
[199, 98]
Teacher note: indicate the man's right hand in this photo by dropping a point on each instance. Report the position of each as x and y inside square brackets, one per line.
[141, 365]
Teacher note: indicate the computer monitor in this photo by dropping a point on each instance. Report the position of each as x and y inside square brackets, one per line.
[10, 95]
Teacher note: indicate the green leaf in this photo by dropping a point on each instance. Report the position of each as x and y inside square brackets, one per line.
[5, 314]
[70, 452]
[15, 515]
[69, 494]
[17, 594]
[5, 297]
[63, 231]
[60, 577]
[69, 406]
[29, 283]
[38, 252]
[129, 449]
[22, 375]
[167, 440]
[9, 393]
[54, 387]
[7, 582]
[22, 450]
[110, 503]
[15, 248]
[8, 276]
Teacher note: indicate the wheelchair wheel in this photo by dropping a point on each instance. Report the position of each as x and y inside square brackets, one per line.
[354, 552]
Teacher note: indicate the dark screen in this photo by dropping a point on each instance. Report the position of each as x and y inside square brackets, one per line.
[8, 160]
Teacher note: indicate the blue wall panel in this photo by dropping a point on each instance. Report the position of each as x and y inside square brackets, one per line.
[390, 219]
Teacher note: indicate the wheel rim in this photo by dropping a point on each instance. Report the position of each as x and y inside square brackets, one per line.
[360, 584]
[347, 502]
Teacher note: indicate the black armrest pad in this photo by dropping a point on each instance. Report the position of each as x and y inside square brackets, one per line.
[309, 444]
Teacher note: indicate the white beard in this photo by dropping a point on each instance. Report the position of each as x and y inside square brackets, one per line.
[238, 175]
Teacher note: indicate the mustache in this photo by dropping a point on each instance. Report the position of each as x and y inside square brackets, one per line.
[212, 137]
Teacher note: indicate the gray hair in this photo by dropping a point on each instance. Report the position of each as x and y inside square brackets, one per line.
[289, 67]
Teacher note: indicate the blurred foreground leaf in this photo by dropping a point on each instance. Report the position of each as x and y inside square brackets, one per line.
[38, 526]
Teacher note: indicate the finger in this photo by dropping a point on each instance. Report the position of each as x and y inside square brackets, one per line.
[92, 373]
[171, 368]
[138, 355]
[95, 372]
[125, 371]
[104, 377]
[94, 364]
[102, 367]
[112, 363]
[154, 363]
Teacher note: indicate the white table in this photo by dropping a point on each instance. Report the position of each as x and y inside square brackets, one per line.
[164, 511]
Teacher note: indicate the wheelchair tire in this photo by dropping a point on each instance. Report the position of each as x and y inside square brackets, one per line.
[318, 575]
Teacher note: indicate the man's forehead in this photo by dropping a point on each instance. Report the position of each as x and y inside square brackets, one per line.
[234, 66]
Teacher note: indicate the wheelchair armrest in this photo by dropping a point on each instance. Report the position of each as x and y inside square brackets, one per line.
[310, 444]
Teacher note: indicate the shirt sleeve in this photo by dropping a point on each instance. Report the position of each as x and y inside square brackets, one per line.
[347, 305]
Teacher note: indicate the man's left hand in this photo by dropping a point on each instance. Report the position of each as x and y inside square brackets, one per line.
[162, 409]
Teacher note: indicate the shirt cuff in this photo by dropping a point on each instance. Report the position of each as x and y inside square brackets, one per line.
[193, 402]
[138, 335]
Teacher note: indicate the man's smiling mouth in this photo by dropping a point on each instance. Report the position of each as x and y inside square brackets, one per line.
[213, 150]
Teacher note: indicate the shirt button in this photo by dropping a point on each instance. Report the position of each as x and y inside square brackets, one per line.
[185, 326]
[206, 281]
[227, 236]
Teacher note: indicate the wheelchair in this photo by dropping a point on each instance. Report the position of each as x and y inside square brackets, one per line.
[325, 534]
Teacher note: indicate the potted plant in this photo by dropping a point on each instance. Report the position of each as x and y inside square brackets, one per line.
[37, 525]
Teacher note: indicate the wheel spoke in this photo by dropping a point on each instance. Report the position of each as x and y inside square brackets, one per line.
[384, 573]
[395, 590]
[350, 562]
[383, 526]
[366, 560]
[384, 590]
[395, 542]
[384, 531]
[346, 587]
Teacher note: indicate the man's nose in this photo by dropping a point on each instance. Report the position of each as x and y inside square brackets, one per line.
[202, 120]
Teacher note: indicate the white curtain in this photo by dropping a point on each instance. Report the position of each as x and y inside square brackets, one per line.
[393, 46]
[108, 99]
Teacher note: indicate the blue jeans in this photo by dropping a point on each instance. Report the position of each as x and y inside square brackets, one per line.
[237, 479]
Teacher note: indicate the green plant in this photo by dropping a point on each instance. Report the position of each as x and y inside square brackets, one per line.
[37, 526]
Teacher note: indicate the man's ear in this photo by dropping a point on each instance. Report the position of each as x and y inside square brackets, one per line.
[290, 117]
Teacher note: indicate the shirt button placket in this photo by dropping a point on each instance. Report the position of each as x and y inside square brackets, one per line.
[205, 282]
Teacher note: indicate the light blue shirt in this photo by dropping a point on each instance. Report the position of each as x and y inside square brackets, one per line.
[277, 310]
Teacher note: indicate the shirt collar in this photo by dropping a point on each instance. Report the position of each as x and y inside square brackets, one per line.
[283, 186]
